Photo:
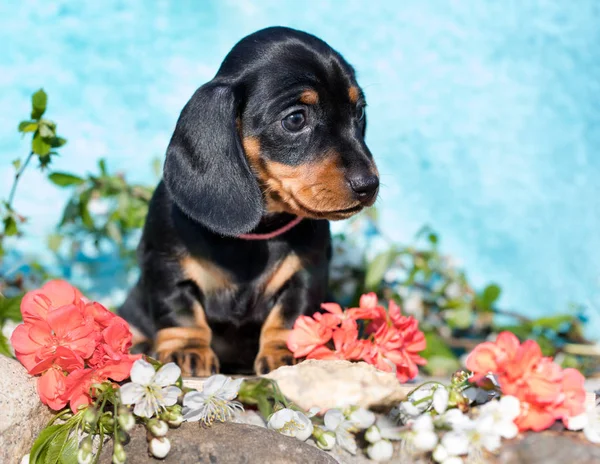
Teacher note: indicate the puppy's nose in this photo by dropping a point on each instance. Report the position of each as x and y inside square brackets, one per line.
[364, 187]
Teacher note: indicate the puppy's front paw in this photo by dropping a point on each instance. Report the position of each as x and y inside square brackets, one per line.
[271, 357]
[194, 362]
[189, 348]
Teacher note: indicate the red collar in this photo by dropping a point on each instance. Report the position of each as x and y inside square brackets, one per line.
[273, 234]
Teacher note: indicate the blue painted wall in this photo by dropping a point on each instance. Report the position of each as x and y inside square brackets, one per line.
[484, 115]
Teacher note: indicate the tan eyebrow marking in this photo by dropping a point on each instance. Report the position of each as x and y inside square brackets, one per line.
[309, 97]
[353, 93]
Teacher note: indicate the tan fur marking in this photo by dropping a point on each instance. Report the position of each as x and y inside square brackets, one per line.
[179, 338]
[282, 273]
[353, 93]
[205, 274]
[309, 97]
[273, 351]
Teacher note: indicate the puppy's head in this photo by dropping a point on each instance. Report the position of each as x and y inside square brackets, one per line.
[279, 129]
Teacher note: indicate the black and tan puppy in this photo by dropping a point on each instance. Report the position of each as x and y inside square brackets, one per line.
[236, 244]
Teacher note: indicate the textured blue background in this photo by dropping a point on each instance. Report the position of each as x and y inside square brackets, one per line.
[483, 115]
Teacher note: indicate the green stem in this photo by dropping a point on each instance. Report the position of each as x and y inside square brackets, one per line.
[13, 189]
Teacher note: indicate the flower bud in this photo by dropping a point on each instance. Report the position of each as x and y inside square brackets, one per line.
[460, 377]
[86, 444]
[119, 455]
[159, 447]
[84, 457]
[158, 428]
[373, 435]
[25, 459]
[90, 415]
[326, 441]
[175, 420]
[107, 421]
[381, 450]
[126, 421]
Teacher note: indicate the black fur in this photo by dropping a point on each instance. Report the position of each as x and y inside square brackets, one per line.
[211, 194]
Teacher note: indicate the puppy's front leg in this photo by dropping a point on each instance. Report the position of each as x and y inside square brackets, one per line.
[189, 347]
[273, 351]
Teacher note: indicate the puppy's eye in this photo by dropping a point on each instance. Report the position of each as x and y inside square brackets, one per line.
[360, 113]
[294, 122]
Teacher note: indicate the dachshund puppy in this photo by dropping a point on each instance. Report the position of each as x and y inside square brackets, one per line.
[236, 244]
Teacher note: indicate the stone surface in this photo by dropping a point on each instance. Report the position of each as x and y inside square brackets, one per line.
[335, 384]
[549, 448]
[223, 443]
[22, 415]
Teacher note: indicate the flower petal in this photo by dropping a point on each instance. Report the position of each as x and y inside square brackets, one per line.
[131, 393]
[230, 389]
[193, 400]
[213, 384]
[142, 372]
[146, 407]
[170, 395]
[167, 375]
[333, 418]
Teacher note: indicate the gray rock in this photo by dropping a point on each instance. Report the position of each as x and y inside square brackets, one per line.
[223, 443]
[549, 448]
[22, 414]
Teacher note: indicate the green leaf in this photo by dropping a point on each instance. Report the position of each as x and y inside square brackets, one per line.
[62, 445]
[489, 296]
[40, 445]
[377, 268]
[28, 126]
[64, 179]
[4, 346]
[40, 146]
[39, 100]
[10, 226]
[17, 164]
[102, 166]
[113, 232]
[56, 142]
[10, 308]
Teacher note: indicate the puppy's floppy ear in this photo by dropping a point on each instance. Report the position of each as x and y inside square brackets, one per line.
[206, 172]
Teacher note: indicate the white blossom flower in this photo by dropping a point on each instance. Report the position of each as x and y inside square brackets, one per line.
[457, 420]
[291, 423]
[362, 418]
[440, 399]
[380, 451]
[159, 447]
[423, 434]
[589, 422]
[336, 422]
[214, 402]
[151, 390]
[499, 416]
[25, 459]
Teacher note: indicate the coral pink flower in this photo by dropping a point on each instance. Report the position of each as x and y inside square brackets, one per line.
[51, 387]
[546, 391]
[307, 335]
[54, 294]
[79, 383]
[369, 309]
[114, 343]
[36, 343]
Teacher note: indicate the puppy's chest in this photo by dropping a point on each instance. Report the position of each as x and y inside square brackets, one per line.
[240, 292]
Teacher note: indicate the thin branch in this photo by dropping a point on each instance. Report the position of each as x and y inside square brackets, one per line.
[13, 189]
